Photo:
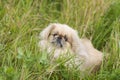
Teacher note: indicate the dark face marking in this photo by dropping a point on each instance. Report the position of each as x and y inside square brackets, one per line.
[55, 34]
[65, 37]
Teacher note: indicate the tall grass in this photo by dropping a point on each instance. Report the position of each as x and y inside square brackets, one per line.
[22, 20]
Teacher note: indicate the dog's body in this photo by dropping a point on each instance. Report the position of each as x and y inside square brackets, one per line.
[61, 39]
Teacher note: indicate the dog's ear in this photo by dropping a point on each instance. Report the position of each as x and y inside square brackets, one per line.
[74, 40]
[46, 32]
[75, 37]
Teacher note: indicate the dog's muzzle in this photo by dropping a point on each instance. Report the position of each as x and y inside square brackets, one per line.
[59, 41]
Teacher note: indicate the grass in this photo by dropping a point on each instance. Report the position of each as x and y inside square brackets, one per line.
[22, 20]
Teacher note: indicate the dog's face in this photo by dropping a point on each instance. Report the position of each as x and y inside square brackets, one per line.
[59, 35]
[58, 40]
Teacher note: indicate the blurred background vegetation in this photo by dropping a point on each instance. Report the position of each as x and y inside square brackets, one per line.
[22, 20]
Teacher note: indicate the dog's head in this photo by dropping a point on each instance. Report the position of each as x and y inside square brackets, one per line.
[59, 35]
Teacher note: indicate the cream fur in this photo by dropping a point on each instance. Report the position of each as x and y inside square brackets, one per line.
[81, 48]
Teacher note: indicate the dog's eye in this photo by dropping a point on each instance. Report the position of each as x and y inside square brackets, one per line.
[65, 38]
[54, 34]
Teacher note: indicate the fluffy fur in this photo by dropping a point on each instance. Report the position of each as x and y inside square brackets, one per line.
[61, 38]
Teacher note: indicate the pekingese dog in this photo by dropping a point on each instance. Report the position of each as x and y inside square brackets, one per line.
[60, 38]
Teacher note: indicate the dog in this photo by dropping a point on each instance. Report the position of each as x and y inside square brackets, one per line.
[59, 39]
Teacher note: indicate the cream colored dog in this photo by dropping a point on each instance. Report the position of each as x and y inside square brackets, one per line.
[60, 39]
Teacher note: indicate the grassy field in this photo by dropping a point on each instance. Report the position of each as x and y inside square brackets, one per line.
[21, 21]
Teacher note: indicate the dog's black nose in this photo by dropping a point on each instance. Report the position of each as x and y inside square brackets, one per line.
[59, 41]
